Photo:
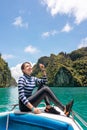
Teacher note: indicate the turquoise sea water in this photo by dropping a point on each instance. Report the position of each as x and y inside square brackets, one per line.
[9, 96]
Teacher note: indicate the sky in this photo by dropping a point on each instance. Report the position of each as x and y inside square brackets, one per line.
[30, 29]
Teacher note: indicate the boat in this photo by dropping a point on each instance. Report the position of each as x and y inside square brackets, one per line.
[16, 120]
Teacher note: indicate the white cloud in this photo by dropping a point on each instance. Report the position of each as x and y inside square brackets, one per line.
[75, 8]
[30, 49]
[50, 33]
[45, 34]
[67, 28]
[7, 56]
[16, 71]
[18, 22]
[83, 43]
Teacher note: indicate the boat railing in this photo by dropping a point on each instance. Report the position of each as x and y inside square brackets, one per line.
[7, 122]
[75, 114]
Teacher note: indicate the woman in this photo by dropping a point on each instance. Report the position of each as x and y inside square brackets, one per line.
[29, 101]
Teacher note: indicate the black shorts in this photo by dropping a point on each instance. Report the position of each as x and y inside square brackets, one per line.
[22, 107]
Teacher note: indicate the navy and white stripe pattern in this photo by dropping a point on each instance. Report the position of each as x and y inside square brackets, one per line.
[26, 84]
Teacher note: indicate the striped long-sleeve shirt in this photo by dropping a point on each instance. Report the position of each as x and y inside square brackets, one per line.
[26, 84]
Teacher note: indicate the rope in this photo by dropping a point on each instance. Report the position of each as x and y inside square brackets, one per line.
[80, 118]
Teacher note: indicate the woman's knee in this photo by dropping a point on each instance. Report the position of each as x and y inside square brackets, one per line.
[46, 88]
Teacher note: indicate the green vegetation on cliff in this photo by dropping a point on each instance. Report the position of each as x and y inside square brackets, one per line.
[65, 69]
[62, 69]
[6, 79]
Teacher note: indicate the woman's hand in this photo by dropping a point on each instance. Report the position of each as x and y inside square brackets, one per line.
[42, 67]
[33, 109]
[36, 110]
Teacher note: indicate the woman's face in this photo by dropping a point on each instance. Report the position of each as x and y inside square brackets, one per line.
[27, 69]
